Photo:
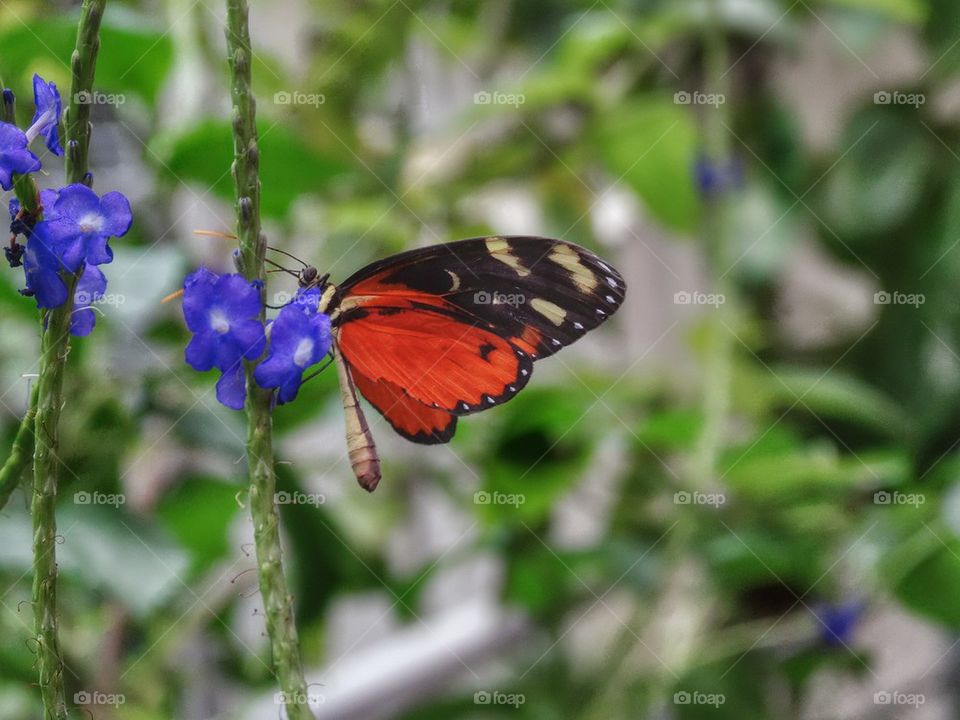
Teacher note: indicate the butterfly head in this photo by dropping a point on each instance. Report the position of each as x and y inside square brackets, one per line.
[310, 278]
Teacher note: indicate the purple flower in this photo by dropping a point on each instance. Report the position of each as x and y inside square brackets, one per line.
[46, 118]
[90, 289]
[48, 199]
[299, 338]
[838, 621]
[79, 213]
[232, 387]
[713, 179]
[46, 255]
[14, 155]
[223, 312]
[24, 225]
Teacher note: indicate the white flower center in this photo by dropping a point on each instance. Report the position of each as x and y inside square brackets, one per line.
[40, 125]
[219, 322]
[92, 222]
[301, 355]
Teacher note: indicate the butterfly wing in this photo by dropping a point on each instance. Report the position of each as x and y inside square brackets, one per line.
[542, 294]
[439, 358]
[411, 419]
[453, 329]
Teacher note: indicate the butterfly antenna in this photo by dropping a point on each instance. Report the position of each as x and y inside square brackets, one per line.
[289, 255]
[319, 370]
[281, 268]
[172, 296]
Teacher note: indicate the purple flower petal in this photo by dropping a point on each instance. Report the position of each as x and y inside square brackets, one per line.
[232, 388]
[46, 98]
[77, 202]
[118, 217]
[15, 157]
[201, 352]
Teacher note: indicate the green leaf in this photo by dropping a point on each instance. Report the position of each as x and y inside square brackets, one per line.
[880, 179]
[927, 579]
[652, 144]
[820, 468]
[906, 11]
[538, 453]
[106, 550]
[839, 396]
[723, 691]
[942, 33]
[198, 513]
[288, 166]
[761, 556]
[132, 60]
[673, 429]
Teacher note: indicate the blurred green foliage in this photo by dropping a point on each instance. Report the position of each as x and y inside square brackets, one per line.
[713, 599]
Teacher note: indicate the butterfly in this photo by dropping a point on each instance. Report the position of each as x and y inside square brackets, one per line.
[436, 333]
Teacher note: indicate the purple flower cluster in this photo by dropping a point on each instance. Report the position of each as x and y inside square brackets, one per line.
[223, 313]
[70, 233]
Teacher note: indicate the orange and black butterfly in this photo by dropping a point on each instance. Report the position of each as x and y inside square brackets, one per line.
[448, 330]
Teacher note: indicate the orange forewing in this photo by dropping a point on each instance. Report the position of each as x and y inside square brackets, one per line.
[435, 358]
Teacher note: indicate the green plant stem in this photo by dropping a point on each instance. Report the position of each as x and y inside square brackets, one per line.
[55, 344]
[716, 234]
[277, 601]
[16, 464]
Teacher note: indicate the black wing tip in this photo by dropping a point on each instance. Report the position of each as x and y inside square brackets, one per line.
[440, 437]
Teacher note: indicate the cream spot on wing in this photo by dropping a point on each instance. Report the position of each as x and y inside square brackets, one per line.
[456, 281]
[499, 249]
[567, 258]
[327, 297]
[553, 313]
